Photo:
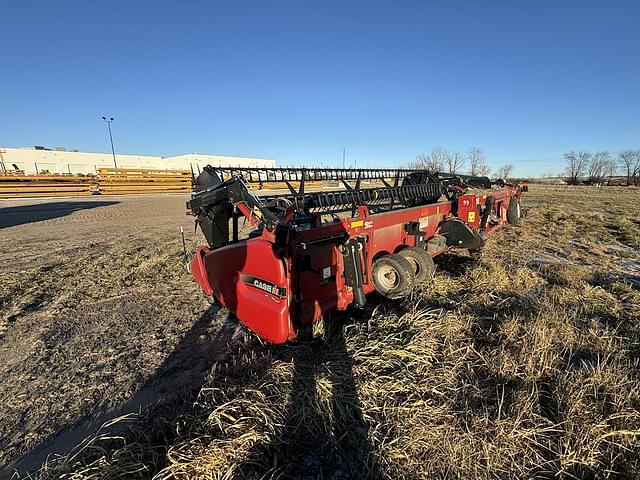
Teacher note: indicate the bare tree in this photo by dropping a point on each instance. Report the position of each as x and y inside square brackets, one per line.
[454, 162]
[477, 162]
[627, 162]
[425, 161]
[597, 167]
[610, 169]
[630, 162]
[504, 172]
[438, 158]
[420, 161]
[576, 165]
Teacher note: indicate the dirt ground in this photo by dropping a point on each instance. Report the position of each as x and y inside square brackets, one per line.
[94, 299]
[521, 362]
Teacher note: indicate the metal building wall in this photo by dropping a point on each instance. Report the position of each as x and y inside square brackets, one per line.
[54, 161]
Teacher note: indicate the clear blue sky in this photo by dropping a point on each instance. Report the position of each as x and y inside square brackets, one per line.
[299, 81]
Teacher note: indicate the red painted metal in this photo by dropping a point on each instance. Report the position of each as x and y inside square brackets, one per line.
[250, 280]
[198, 270]
[274, 293]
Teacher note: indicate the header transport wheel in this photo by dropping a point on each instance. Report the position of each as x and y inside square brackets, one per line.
[514, 215]
[393, 276]
[421, 261]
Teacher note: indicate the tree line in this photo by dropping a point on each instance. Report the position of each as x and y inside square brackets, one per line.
[600, 167]
[473, 162]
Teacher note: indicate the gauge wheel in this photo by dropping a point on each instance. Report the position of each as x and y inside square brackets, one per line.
[421, 261]
[513, 212]
[393, 276]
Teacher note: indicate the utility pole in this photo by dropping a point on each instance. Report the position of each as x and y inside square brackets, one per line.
[113, 151]
[344, 152]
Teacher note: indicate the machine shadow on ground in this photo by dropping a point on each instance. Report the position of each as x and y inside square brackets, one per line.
[147, 418]
[38, 212]
[453, 264]
[315, 441]
[312, 442]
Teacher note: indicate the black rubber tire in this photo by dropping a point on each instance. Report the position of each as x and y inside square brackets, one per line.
[393, 276]
[423, 266]
[514, 214]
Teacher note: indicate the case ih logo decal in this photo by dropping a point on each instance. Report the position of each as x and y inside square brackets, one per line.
[264, 286]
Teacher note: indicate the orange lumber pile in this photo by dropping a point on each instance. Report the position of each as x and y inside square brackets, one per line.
[316, 185]
[16, 185]
[125, 181]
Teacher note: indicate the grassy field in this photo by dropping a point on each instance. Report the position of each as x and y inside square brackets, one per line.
[521, 362]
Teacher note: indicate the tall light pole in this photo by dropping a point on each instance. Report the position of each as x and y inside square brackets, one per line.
[113, 151]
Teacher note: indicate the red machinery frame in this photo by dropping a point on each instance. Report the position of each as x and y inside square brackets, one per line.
[279, 281]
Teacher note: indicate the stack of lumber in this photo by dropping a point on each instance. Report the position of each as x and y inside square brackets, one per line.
[126, 181]
[15, 185]
[308, 186]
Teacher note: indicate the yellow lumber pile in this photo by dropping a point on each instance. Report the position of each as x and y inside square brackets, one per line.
[126, 181]
[308, 186]
[17, 185]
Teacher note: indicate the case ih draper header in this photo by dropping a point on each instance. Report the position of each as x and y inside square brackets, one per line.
[313, 253]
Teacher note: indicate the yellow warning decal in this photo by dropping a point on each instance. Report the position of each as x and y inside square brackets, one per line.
[471, 217]
[357, 223]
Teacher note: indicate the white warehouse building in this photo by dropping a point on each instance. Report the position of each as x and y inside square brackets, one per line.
[34, 160]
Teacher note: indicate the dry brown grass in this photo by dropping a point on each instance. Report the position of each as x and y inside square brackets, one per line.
[520, 363]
